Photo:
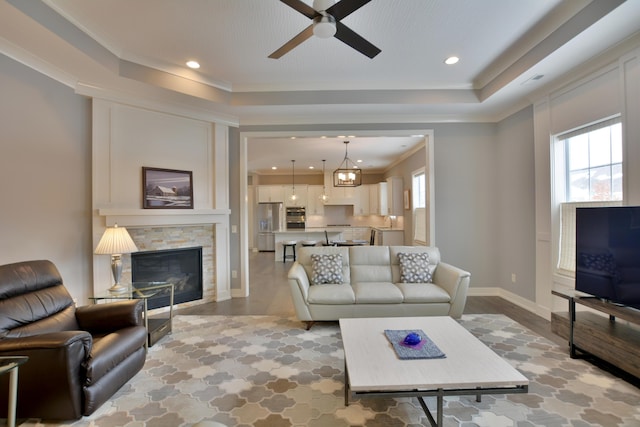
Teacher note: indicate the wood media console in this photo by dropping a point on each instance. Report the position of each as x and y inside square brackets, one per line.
[613, 337]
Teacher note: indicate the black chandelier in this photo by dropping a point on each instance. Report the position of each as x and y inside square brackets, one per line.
[347, 174]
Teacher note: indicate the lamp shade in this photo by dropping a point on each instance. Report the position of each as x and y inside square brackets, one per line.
[116, 240]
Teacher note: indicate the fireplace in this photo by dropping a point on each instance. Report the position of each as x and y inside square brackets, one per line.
[182, 267]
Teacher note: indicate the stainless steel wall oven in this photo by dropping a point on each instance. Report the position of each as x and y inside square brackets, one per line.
[295, 218]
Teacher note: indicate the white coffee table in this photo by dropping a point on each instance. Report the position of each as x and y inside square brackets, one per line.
[372, 367]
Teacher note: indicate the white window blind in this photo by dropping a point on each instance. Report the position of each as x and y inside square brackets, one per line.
[567, 253]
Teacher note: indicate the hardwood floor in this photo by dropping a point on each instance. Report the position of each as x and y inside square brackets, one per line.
[269, 295]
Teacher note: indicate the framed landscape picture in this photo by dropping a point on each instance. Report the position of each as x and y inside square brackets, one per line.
[167, 189]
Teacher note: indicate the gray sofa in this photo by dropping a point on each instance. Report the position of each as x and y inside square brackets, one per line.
[371, 285]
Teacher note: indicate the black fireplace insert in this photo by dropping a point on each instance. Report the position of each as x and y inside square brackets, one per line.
[182, 267]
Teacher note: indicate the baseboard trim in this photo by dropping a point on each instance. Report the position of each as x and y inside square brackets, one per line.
[528, 305]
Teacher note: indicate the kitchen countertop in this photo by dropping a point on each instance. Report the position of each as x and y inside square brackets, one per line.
[335, 229]
[314, 230]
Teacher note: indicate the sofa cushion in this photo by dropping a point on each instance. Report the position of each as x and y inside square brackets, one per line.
[331, 294]
[369, 264]
[304, 259]
[377, 293]
[326, 268]
[415, 268]
[433, 252]
[423, 293]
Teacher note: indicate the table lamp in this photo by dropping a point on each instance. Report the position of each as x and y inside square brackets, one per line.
[116, 241]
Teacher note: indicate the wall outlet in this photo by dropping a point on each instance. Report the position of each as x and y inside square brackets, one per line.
[513, 277]
[234, 229]
[234, 274]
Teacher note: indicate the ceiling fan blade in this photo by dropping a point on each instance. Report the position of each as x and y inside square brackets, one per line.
[302, 36]
[301, 7]
[345, 7]
[349, 37]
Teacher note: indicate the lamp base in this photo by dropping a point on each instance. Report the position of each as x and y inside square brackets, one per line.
[117, 289]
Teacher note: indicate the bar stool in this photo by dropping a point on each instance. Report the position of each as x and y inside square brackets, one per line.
[309, 243]
[289, 244]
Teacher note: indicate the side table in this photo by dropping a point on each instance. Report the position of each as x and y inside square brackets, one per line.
[10, 364]
[156, 327]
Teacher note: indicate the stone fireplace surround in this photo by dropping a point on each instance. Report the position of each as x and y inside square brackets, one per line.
[178, 237]
[168, 229]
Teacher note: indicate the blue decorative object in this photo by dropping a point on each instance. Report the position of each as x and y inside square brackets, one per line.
[412, 339]
[424, 349]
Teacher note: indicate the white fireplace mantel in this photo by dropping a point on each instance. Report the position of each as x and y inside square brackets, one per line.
[164, 217]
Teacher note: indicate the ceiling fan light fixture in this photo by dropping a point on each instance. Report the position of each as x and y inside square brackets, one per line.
[324, 26]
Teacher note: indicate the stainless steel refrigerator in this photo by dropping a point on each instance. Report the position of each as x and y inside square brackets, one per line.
[270, 217]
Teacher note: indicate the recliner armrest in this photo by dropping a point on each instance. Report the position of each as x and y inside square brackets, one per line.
[47, 341]
[104, 318]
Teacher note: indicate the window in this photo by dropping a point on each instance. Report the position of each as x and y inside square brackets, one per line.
[594, 163]
[589, 167]
[418, 187]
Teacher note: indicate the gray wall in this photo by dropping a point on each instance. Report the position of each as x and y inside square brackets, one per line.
[479, 168]
[466, 191]
[45, 170]
[483, 186]
[515, 206]
[234, 205]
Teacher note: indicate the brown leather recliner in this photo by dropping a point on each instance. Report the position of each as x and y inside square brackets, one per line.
[78, 357]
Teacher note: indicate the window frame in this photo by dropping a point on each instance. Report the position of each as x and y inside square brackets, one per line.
[560, 177]
[417, 194]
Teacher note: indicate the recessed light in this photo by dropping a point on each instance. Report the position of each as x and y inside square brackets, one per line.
[274, 167]
[359, 161]
[311, 167]
[193, 64]
[451, 60]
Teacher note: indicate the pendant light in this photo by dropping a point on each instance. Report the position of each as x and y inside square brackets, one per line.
[324, 197]
[293, 196]
[345, 175]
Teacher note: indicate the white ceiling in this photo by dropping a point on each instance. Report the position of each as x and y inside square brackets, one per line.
[134, 46]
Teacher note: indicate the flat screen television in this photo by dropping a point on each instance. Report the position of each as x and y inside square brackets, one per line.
[608, 253]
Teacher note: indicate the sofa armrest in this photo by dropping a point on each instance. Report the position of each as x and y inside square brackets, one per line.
[455, 281]
[299, 286]
[104, 318]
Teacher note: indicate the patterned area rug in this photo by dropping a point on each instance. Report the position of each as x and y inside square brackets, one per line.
[269, 372]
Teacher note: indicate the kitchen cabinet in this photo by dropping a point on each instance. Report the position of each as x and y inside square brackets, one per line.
[395, 196]
[315, 206]
[338, 195]
[389, 237]
[301, 193]
[270, 194]
[361, 200]
[382, 198]
[374, 196]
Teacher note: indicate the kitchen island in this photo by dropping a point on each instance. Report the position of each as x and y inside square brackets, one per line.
[315, 233]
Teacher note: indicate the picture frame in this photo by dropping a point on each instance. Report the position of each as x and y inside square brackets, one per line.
[166, 188]
[407, 199]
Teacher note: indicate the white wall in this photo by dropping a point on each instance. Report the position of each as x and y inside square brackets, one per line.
[127, 138]
[45, 171]
[609, 85]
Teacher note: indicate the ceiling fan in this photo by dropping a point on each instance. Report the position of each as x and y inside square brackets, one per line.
[326, 16]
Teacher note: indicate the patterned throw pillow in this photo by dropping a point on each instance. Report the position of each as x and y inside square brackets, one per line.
[414, 268]
[326, 269]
